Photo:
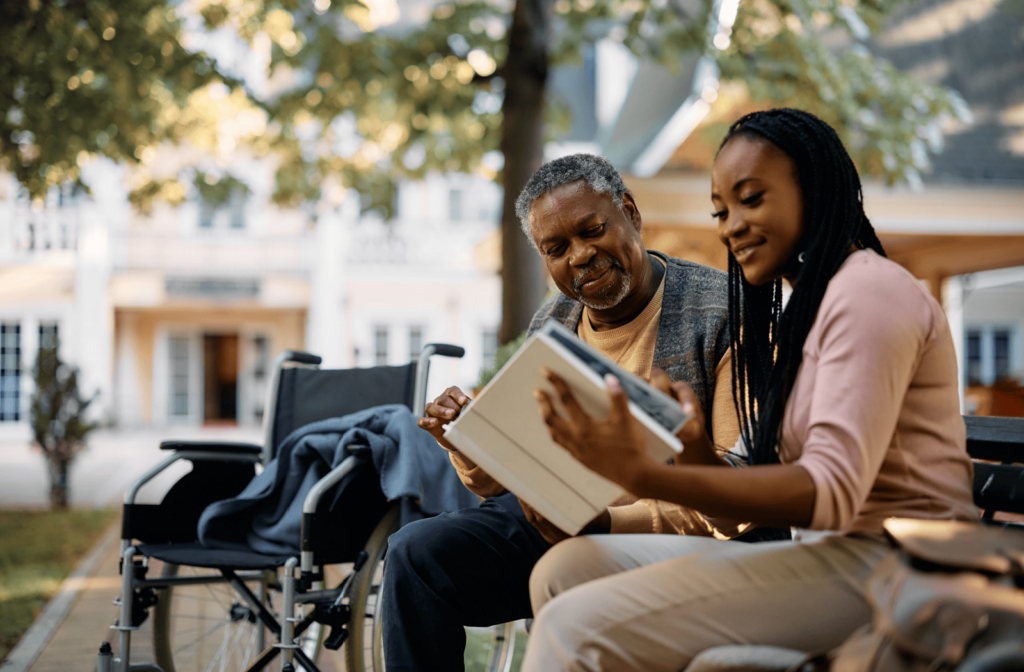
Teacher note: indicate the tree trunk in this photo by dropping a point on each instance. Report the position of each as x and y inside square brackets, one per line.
[59, 482]
[524, 282]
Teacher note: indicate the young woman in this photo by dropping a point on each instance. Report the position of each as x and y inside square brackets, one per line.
[849, 415]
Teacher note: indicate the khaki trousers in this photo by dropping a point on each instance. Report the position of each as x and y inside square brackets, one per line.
[653, 602]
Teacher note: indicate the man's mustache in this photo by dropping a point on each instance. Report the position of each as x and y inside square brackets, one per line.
[590, 270]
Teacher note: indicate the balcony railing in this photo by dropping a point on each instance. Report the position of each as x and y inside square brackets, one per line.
[242, 253]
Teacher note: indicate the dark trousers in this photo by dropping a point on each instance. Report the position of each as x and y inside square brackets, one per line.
[471, 567]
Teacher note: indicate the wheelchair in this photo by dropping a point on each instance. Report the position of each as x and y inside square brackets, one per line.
[236, 611]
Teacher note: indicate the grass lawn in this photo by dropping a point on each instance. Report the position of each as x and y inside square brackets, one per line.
[478, 648]
[38, 550]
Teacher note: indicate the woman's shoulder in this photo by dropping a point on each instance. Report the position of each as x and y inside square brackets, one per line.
[874, 290]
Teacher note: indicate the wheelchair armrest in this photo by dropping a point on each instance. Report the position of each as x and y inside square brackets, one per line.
[215, 447]
[195, 450]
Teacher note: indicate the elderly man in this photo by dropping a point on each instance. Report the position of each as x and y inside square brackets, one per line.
[645, 310]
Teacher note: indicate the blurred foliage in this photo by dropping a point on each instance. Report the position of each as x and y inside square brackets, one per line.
[111, 77]
[79, 79]
[501, 357]
[217, 192]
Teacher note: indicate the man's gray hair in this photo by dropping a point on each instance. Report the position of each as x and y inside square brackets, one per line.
[599, 174]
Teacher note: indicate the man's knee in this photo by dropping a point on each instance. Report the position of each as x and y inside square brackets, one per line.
[415, 545]
[568, 564]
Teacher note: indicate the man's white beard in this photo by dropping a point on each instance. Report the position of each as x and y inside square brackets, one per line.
[610, 302]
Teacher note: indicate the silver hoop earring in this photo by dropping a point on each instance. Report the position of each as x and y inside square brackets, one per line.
[802, 257]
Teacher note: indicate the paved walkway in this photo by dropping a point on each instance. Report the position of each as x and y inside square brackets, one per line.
[102, 473]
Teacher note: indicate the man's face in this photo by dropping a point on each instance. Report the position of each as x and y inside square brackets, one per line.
[591, 247]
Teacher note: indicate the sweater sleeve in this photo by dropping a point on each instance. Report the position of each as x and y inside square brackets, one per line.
[476, 480]
[870, 331]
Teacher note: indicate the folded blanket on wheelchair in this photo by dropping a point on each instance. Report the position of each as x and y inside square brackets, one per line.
[266, 517]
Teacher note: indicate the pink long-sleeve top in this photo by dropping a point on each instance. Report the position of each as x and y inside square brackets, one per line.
[874, 414]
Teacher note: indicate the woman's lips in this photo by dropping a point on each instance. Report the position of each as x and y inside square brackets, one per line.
[744, 252]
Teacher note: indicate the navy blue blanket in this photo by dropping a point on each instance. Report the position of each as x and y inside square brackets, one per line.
[409, 461]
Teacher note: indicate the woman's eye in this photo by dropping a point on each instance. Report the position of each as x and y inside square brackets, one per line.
[752, 199]
[720, 215]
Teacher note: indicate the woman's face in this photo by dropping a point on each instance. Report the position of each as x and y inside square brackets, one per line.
[759, 208]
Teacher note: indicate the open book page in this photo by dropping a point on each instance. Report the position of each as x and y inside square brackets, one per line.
[503, 432]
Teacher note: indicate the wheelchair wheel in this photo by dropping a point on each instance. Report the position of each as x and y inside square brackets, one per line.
[364, 647]
[363, 650]
[197, 628]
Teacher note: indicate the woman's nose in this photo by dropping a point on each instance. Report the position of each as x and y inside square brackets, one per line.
[730, 227]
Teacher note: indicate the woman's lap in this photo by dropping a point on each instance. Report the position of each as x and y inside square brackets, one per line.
[698, 593]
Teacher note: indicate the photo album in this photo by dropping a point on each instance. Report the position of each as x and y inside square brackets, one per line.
[503, 432]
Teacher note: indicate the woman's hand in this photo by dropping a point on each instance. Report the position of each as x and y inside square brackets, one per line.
[614, 448]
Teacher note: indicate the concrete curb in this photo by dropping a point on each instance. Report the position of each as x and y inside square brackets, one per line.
[34, 640]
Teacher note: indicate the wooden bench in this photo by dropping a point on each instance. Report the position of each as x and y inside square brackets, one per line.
[997, 446]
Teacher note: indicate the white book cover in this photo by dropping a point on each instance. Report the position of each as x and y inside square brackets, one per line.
[503, 432]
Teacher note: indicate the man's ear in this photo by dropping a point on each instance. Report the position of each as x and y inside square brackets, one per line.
[632, 212]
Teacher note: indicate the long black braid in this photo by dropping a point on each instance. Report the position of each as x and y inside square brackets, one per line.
[766, 341]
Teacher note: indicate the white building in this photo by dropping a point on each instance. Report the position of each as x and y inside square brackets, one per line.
[175, 317]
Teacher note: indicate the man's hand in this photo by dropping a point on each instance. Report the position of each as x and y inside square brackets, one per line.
[600, 525]
[547, 529]
[441, 411]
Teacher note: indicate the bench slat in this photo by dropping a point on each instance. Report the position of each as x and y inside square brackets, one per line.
[996, 439]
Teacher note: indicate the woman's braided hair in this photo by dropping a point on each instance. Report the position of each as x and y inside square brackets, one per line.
[767, 342]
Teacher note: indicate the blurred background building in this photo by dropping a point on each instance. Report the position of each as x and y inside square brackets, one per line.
[175, 316]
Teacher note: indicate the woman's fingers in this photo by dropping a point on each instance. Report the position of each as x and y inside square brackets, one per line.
[619, 411]
[661, 381]
[687, 399]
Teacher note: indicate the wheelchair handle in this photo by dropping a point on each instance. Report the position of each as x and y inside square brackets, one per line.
[423, 369]
[301, 357]
[446, 350]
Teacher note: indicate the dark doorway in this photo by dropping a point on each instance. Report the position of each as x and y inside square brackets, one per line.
[220, 369]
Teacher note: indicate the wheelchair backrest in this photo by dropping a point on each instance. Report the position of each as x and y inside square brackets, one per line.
[305, 395]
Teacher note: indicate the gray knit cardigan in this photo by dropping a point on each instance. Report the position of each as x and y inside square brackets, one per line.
[693, 334]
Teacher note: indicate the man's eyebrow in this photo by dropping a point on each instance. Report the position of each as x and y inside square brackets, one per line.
[582, 220]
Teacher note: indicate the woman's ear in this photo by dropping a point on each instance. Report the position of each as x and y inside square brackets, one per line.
[631, 211]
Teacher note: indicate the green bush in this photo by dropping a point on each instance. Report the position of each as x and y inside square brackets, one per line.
[501, 357]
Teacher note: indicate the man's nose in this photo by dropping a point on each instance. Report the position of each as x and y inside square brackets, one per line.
[581, 252]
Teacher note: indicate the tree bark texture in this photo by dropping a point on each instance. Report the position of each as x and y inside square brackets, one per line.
[59, 482]
[524, 280]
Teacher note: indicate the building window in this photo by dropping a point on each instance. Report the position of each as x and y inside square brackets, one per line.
[206, 213]
[415, 343]
[178, 346]
[974, 373]
[990, 355]
[380, 346]
[455, 205]
[48, 335]
[1001, 354]
[490, 343]
[10, 372]
[237, 209]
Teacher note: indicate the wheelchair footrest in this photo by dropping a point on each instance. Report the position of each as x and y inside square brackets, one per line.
[336, 616]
